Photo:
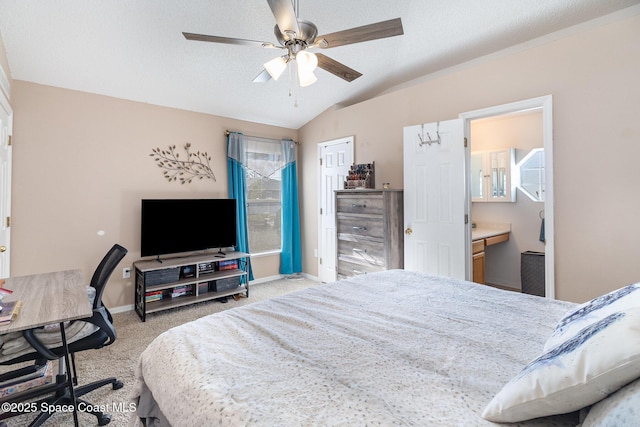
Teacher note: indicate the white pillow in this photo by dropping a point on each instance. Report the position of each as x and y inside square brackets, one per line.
[584, 369]
[593, 311]
[620, 409]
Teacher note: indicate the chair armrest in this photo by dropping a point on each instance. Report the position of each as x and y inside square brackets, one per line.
[33, 340]
[100, 318]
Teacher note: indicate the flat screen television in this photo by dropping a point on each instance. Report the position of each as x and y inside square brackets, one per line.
[171, 226]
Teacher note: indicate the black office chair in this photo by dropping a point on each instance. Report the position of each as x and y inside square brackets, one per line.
[105, 335]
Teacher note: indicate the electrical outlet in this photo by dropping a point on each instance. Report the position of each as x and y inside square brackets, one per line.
[126, 273]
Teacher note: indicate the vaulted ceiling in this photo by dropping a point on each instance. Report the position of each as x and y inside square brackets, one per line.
[135, 49]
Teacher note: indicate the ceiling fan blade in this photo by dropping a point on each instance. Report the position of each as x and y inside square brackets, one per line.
[285, 17]
[226, 40]
[264, 76]
[379, 30]
[337, 68]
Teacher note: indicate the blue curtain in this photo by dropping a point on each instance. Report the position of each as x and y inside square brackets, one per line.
[291, 255]
[283, 158]
[236, 154]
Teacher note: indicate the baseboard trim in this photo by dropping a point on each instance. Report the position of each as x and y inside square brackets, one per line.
[121, 309]
[503, 287]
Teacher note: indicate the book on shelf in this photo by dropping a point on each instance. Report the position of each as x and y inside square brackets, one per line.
[42, 376]
[153, 296]
[22, 374]
[179, 294]
[227, 265]
[9, 310]
[182, 290]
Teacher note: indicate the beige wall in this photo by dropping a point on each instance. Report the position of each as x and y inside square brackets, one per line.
[593, 77]
[81, 164]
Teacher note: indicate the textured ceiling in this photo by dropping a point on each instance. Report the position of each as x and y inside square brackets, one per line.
[135, 50]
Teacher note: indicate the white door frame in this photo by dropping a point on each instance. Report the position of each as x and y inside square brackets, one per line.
[545, 103]
[6, 130]
[350, 142]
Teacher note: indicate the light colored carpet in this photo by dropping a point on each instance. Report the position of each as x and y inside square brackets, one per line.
[134, 335]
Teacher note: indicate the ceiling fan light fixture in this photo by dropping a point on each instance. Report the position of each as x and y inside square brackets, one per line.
[306, 78]
[276, 67]
[307, 62]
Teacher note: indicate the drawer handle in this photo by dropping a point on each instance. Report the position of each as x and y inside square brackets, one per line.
[359, 272]
[355, 227]
[358, 206]
[359, 250]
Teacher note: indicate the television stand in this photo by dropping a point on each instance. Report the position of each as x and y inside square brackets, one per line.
[189, 280]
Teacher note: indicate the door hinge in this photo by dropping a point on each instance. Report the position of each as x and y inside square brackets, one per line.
[465, 142]
[466, 218]
[320, 260]
[9, 141]
[8, 221]
[320, 161]
[320, 211]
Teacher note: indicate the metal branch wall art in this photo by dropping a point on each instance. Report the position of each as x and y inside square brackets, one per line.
[196, 165]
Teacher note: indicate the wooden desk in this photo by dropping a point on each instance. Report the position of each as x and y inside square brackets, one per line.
[48, 299]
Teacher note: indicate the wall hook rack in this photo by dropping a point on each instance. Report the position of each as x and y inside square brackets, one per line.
[428, 139]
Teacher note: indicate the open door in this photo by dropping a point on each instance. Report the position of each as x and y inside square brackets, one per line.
[435, 214]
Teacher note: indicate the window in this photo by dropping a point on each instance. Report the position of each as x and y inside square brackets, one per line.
[264, 190]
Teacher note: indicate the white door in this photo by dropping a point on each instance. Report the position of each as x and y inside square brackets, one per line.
[336, 157]
[6, 122]
[434, 198]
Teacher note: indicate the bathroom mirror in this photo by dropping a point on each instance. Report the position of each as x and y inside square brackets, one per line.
[531, 171]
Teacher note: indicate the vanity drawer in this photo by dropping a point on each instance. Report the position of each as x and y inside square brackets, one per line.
[478, 246]
[369, 226]
[496, 239]
[360, 203]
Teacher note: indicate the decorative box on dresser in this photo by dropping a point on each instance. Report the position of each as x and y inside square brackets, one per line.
[369, 225]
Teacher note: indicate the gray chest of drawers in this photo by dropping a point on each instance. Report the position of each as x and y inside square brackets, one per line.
[369, 225]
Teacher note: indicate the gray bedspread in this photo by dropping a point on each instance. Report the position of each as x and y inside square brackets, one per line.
[391, 348]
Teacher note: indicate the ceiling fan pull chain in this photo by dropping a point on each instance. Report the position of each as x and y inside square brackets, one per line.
[293, 78]
[294, 84]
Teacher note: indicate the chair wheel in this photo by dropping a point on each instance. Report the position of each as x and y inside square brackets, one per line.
[104, 419]
[117, 385]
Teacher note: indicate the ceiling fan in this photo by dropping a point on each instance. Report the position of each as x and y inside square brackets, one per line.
[296, 36]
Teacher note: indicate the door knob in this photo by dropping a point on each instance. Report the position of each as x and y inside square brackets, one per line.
[408, 231]
[3, 248]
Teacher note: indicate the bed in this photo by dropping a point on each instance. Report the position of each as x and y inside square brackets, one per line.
[390, 348]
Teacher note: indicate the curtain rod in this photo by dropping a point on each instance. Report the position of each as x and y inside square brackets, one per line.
[228, 132]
